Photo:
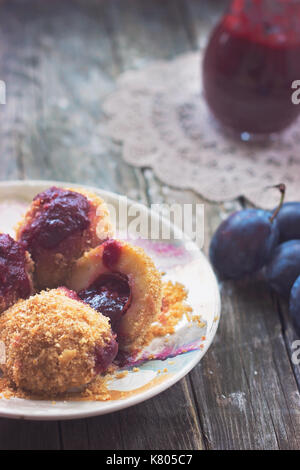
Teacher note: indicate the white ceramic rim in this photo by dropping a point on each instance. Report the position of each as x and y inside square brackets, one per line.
[116, 405]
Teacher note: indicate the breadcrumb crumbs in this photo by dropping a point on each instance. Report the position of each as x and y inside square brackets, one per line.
[122, 374]
[174, 308]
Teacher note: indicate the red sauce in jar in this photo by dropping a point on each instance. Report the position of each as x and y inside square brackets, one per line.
[250, 63]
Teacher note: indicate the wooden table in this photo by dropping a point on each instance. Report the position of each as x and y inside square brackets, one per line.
[59, 59]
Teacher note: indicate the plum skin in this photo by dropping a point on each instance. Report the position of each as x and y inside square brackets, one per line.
[288, 220]
[284, 267]
[294, 308]
[243, 243]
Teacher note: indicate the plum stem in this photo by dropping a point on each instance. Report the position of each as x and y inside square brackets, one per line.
[282, 189]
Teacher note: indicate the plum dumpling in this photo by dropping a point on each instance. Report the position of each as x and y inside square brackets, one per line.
[59, 226]
[55, 342]
[121, 281]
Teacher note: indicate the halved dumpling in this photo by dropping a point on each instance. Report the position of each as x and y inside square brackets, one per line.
[59, 226]
[121, 281]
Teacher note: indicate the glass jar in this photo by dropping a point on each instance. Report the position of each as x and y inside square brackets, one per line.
[250, 64]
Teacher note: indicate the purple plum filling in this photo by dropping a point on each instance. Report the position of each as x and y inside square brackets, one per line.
[110, 294]
[105, 356]
[13, 274]
[69, 293]
[111, 253]
[62, 213]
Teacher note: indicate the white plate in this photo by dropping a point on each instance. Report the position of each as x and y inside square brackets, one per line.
[189, 267]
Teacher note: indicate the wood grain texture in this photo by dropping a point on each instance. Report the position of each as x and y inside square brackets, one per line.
[26, 435]
[245, 389]
[59, 60]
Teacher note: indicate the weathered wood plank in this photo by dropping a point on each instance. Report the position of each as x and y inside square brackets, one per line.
[245, 389]
[74, 434]
[290, 336]
[167, 421]
[58, 67]
[144, 31]
[26, 435]
[251, 398]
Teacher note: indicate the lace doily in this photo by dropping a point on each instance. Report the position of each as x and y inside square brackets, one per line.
[161, 118]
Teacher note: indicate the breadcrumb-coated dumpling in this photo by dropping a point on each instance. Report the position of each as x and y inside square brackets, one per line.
[54, 342]
[58, 227]
[100, 277]
[16, 270]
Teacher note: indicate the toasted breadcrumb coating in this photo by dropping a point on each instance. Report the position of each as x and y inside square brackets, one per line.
[174, 308]
[52, 342]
